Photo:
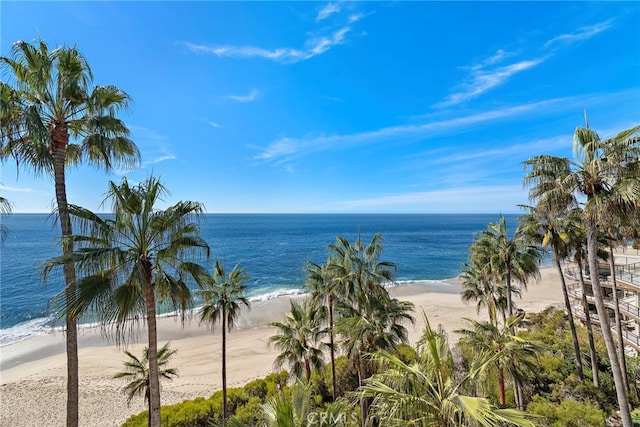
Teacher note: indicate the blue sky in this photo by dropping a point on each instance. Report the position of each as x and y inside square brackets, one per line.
[342, 106]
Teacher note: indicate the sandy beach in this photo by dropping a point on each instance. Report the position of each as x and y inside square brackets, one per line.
[32, 375]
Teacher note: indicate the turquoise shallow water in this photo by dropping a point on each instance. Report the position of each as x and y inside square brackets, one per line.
[272, 248]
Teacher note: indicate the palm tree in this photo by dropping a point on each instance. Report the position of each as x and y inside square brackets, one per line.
[508, 258]
[547, 229]
[291, 411]
[427, 392]
[501, 349]
[322, 285]
[479, 285]
[50, 117]
[137, 373]
[370, 320]
[297, 337]
[132, 261]
[605, 173]
[360, 275]
[222, 296]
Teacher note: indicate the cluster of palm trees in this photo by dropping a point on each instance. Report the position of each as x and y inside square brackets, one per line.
[578, 203]
[350, 304]
[498, 269]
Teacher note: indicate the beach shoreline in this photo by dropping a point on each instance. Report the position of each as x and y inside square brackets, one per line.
[32, 371]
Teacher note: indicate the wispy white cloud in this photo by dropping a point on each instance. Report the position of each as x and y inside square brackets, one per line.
[489, 73]
[287, 148]
[16, 189]
[158, 160]
[214, 124]
[485, 76]
[251, 96]
[355, 17]
[491, 198]
[314, 46]
[582, 33]
[328, 10]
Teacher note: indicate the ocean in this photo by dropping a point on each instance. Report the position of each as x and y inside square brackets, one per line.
[273, 249]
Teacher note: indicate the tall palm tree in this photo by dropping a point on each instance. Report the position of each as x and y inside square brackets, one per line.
[222, 297]
[52, 116]
[501, 349]
[132, 261]
[137, 373]
[547, 229]
[427, 392]
[508, 258]
[298, 337]
[601, 174]
[321, 282]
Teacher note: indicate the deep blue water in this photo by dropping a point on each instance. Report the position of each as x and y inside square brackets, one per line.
[273, 250]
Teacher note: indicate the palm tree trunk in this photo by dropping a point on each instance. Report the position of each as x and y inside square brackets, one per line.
[332, 350]
[224, 369]
[363, 403]
[154, 380]
[616, 309]
[61, 138]
[621, 390]
[501, 394]
[587, 314]
[572, 325]
[509, 299]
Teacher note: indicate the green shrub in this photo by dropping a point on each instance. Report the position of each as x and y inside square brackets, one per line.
[406, 353]
[569, 413]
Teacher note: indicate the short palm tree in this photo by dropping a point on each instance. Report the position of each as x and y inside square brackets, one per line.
[137, 373]
[222, 297]
[298, 337]
[499, 348]
[291, 410]
[52, 116]
[509, 258]
[479, 285]
[133, 260]
[427, 392]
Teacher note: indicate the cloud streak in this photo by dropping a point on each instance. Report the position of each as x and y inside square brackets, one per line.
[313, 47]
[333, 34]
[250, 97]
[159, 159]
[287, 148]
[16, 189]
[583, 33]
[475, 199]
[483, 78]
[327, 11]
[488, 74]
